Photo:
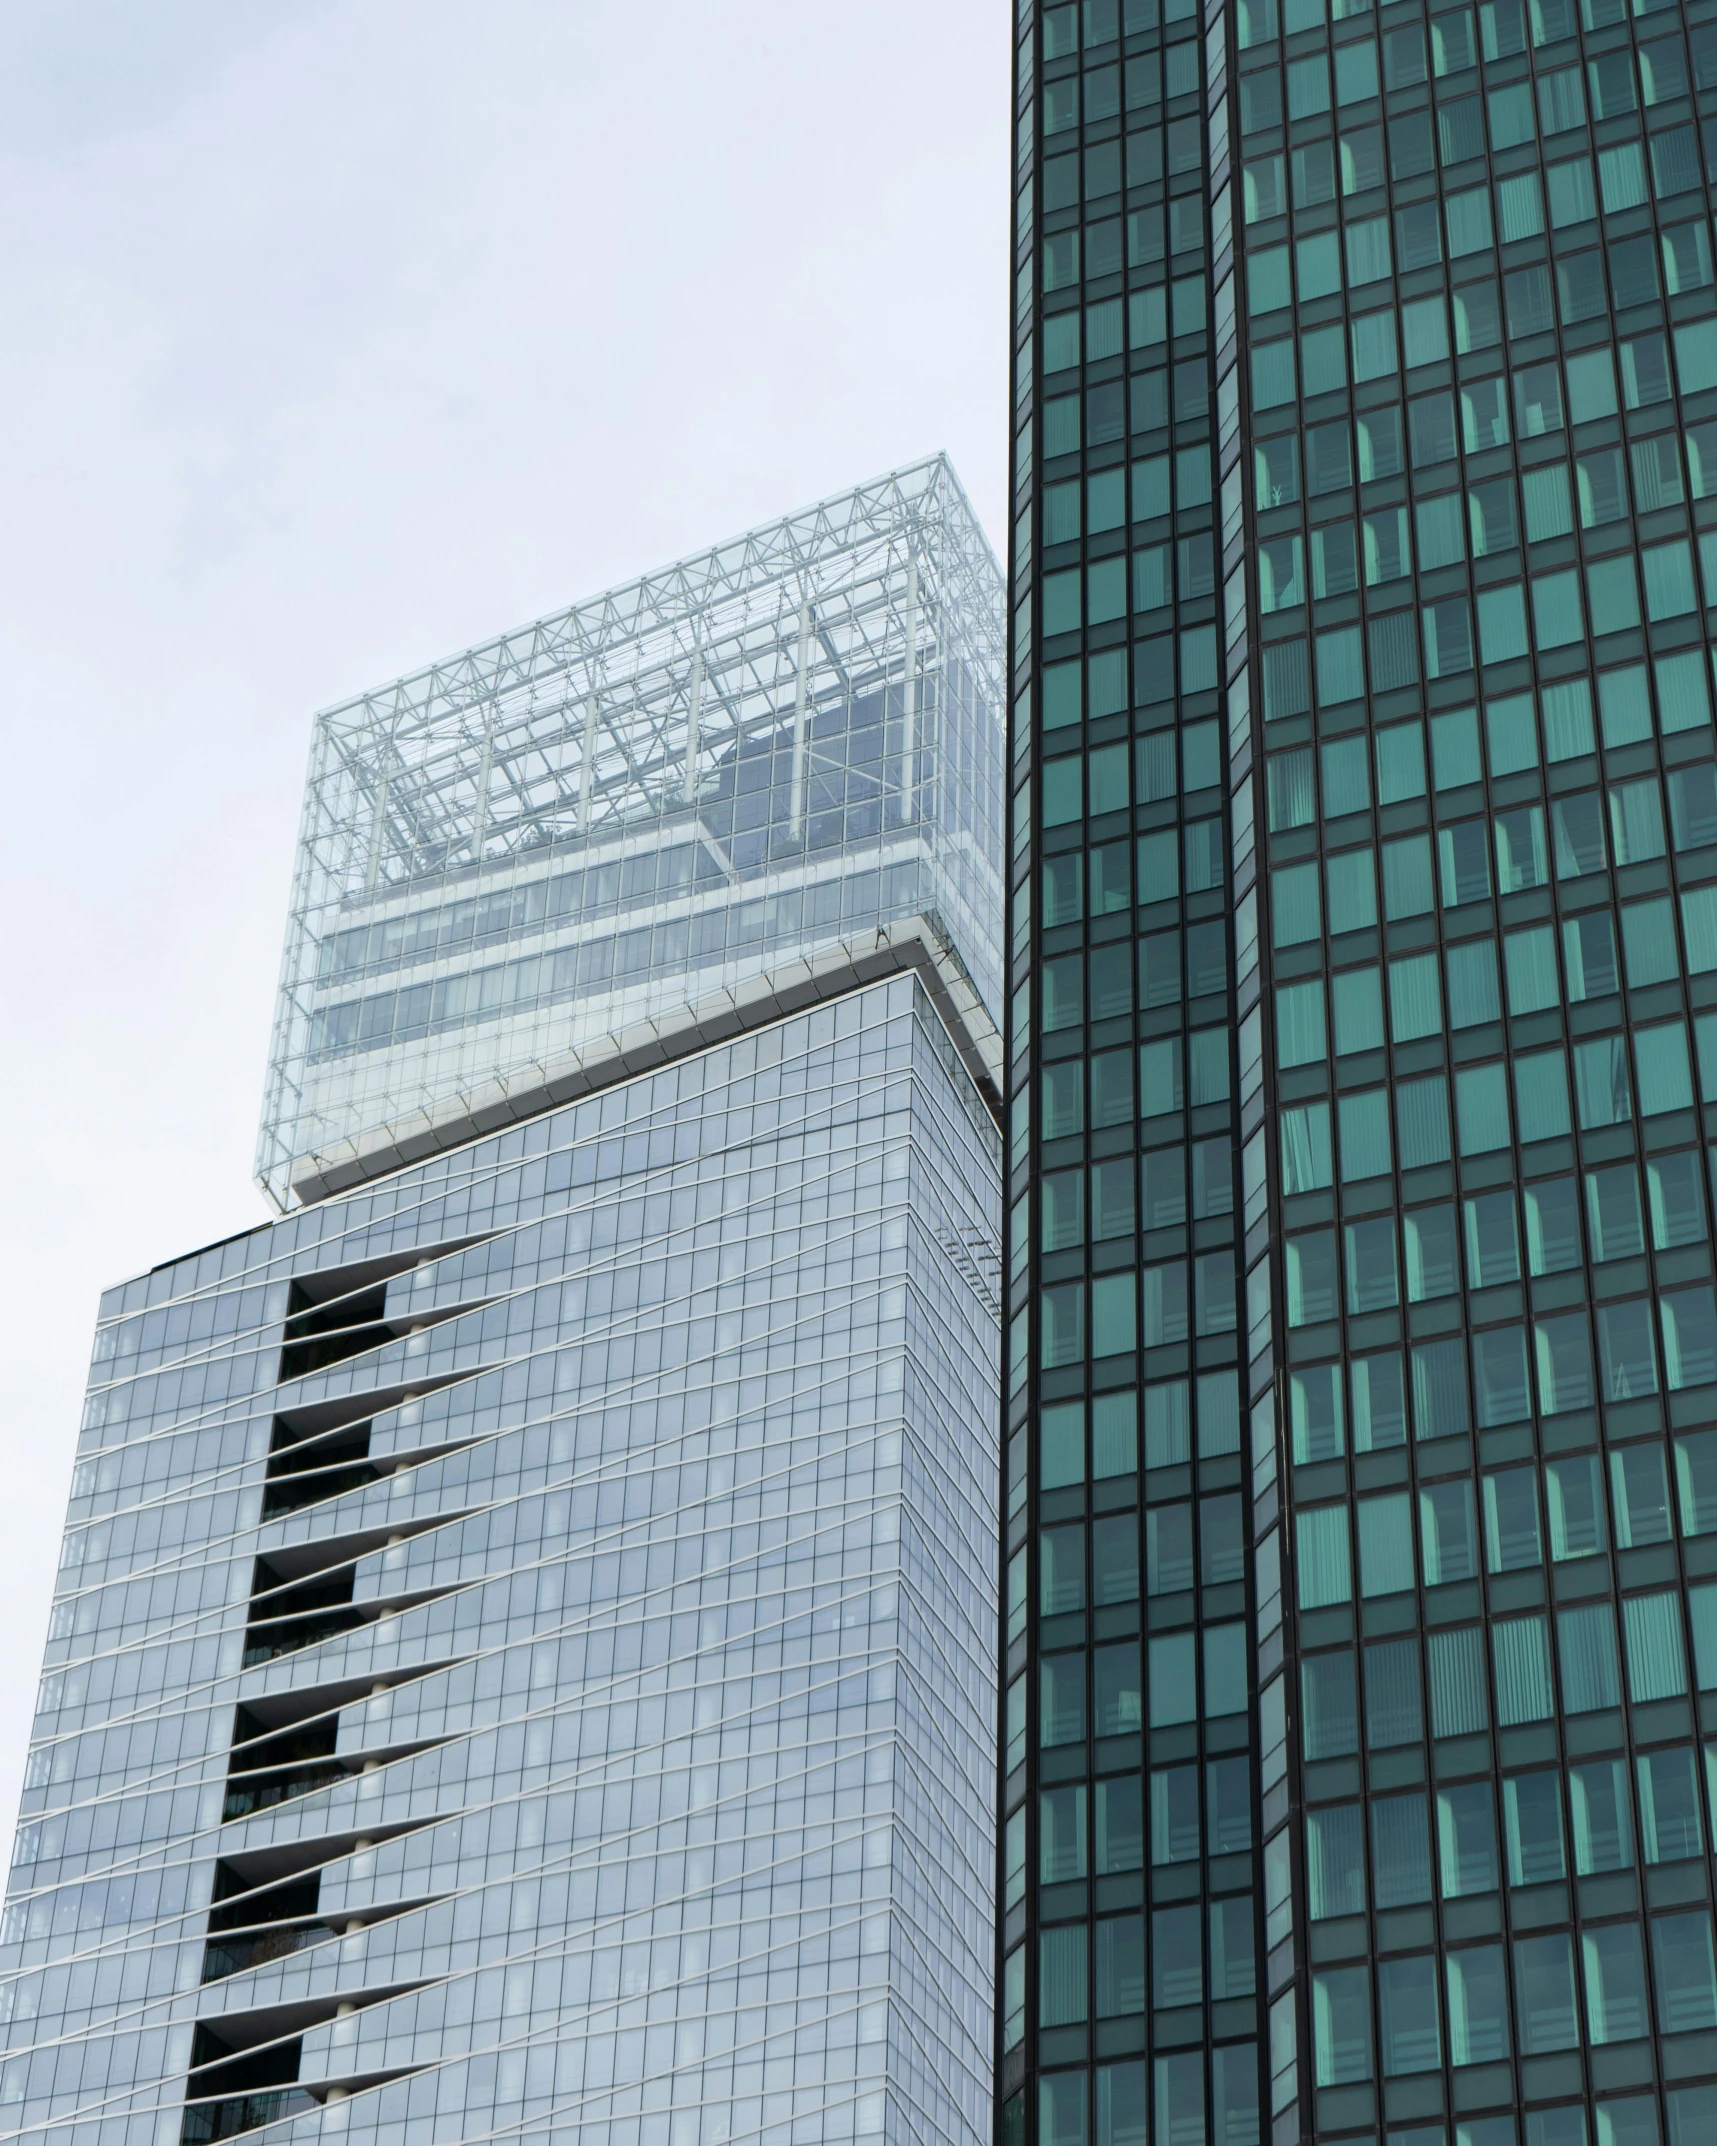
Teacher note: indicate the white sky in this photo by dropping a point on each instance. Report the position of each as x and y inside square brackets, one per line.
[337, 334]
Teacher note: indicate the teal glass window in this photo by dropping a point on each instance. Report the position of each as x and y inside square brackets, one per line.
[1530, 957]
[1466, 1834]
[1601, 1817]
[1586, 1644]
[1532, 1825]
[1684, 1969]
[1512, 1539]
[1546, 2005]
[1400, 1849]
[1668, 1786]
[1614, 1973]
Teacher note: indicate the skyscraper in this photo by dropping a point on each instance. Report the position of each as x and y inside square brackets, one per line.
[1361, 1497]
[522, 1665]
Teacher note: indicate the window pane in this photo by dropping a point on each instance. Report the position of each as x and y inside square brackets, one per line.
[1602, 1818]
[1545, 2002]
[1669, 1805]
[1408, 2015]
[1614, 1968]
[1466, 1840]
[1532, 1815]
[1685, 1972]
[1400, 1851]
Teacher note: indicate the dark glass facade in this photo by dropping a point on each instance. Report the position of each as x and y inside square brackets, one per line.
[1360, 1627]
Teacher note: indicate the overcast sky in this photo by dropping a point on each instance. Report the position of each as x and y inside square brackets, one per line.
[337, 334]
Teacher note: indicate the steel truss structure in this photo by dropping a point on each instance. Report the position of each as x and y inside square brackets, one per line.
[817, 701]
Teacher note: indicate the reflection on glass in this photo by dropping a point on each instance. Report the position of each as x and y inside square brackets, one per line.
[1428, 1234]
[1512, 1540]
[1532, 1819]
[1061, 1835]
[1552, 1226]
[1575, 1500]
[1603, 1824]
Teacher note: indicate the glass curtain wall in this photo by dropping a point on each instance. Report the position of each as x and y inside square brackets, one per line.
[1362, 1357]
[485, 1695]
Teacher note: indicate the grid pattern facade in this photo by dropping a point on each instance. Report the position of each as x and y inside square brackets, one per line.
[514, 862]
[521, 1665]
[1361, 1360]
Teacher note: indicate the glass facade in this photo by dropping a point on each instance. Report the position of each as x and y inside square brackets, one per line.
[648, 816]
[522, 1661]
[1361, 1364]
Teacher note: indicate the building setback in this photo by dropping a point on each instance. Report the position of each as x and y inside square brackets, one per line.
[1361, 1377]
[522, 1663]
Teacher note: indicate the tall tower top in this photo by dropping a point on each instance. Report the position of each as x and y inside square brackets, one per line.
[643, 823]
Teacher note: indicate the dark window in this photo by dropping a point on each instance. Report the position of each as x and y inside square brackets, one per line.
[1221, 1541]
[1191, 392]
[1693, 806]
[1460, 130]
[1418, 235]
[1478, 317]
[1260, 99]
[1580, 287]
[1207, 959]
[1379, 444]
[1602, 486]
[1061, 182]
[1145, 156]
[1431, 422]
[1103, 93]
[1329, 461]
[1404, 56]
[1633, 271]
[1578, 832]
[1529, 310]
[1061, 426]
[1411, 149]
[1185, 144]
[1276, 470]
[1361, 160]
[1674, 162]
[1102, 171]
[1144, 80]
[1105, 414]
[1197, 566]
[1612, 84]
[1491, 512]
[1150, 411]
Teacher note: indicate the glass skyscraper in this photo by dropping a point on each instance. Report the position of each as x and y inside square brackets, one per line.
[1360, 1510]
[522, 1661]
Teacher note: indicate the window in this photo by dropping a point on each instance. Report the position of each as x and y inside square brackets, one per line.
[1545, 2003]
[1400, 1851]
[1574, 1501]
[1447, 1533]
[1396, 1715]
[1341, 2019]
[1512, 1541]
[1669, 1805]
[1685, 1971]
[1532, 1818]
[1466, 1840]
[1586, 1643]
[1478, 2005]
[1614, 1973]
[1602, 1821]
